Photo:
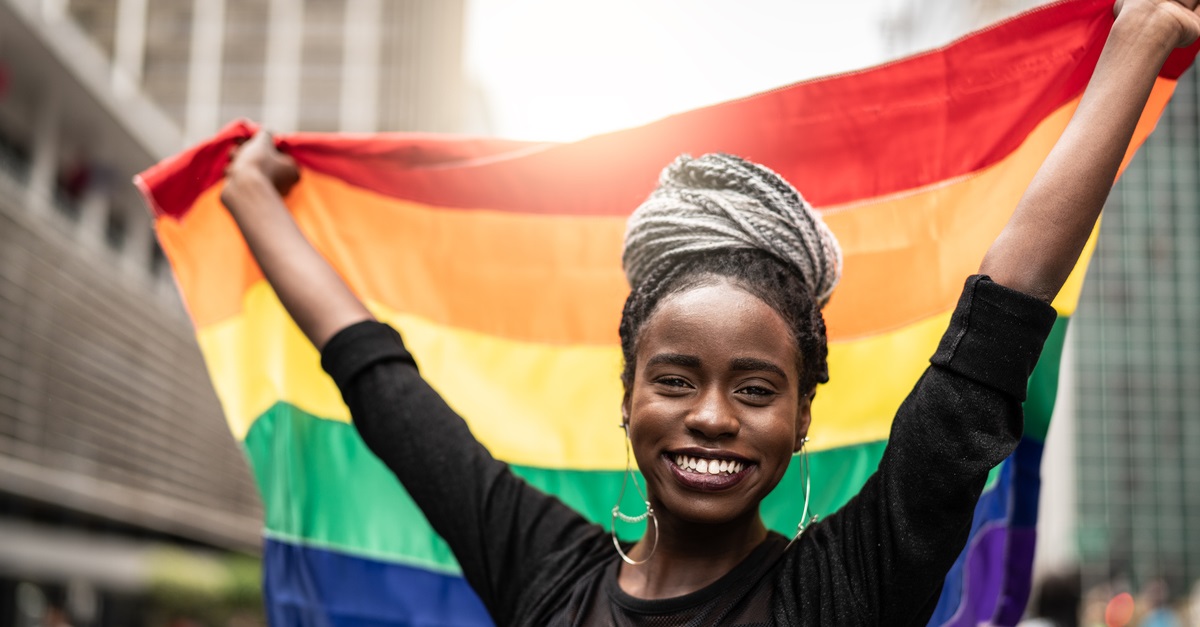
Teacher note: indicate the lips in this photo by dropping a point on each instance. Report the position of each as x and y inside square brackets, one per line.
[707, 472]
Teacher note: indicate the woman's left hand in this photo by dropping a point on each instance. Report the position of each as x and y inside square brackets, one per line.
[1176, 21]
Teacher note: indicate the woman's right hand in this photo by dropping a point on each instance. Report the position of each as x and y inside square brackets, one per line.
[257, 179]
[258, 157]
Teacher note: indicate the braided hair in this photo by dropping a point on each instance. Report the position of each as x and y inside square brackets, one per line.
[720, 217]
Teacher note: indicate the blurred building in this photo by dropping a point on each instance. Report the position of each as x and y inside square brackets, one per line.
[334, 65]
[1121, 494]
[917, 25]
[1138, 367]
[118, 478]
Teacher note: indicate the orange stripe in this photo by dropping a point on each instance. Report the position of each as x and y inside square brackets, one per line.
[512, 275]
[502, 274]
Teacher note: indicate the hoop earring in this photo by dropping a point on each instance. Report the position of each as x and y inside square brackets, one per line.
[805, 521]
[618, 514]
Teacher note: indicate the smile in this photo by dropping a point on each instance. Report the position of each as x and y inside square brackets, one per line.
[701, 465]
[706, 474]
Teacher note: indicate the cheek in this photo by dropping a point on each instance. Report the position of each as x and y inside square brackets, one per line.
[645, 416]
[776, 433]
[652, 418]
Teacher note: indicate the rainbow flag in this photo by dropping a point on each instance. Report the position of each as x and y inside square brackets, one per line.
[499, 262]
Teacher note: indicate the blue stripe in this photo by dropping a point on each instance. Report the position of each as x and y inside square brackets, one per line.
[1028, 458]
[992, 507]
[1013, 501]
[313, 587]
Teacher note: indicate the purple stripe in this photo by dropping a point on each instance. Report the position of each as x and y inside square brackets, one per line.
[982, 578]
[1021, 544]
[998, 570]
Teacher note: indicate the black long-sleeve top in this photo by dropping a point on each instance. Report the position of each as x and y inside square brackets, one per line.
[880, 560]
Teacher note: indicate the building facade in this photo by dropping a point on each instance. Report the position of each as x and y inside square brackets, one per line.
[340, 65]
[118, 476]
[1138, 367]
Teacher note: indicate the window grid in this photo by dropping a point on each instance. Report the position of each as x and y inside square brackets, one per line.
[1138, 373]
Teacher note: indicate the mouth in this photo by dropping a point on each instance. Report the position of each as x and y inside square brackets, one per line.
[708, 472]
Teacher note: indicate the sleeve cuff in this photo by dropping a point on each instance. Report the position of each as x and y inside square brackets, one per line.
[995, 336]
[360, 346]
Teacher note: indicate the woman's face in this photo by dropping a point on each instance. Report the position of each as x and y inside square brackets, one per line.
[714, 412]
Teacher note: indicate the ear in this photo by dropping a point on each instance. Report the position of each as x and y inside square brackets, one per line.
[803, 418]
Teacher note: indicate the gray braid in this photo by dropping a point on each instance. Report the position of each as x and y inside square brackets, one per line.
[722, 202]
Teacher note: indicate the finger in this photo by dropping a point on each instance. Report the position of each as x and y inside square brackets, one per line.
[259, 138]
[279, 143]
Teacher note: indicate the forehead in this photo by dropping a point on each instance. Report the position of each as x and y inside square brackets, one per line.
[721, 321]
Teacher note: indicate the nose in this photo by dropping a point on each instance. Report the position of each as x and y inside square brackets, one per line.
[713, 416]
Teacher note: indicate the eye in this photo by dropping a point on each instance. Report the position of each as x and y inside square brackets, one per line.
[757, 393]
[673, 386]
[674, 383]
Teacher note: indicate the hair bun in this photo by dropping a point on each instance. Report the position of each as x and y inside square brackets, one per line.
[722, 202]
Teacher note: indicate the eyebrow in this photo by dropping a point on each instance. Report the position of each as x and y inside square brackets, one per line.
[750, 363]
[737, 363]
[674, 359]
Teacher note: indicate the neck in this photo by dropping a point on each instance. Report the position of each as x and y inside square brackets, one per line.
[689, 556]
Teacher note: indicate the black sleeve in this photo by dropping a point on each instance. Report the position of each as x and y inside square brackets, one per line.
[498, 526]
[897, 538]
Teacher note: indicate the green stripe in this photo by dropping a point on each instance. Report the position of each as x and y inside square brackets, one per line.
[1043, 383]
[322, 487]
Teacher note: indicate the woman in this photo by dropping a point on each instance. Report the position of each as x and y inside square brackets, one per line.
[724, 346]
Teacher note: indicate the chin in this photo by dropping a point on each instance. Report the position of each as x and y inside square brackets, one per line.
[707, 504]
[699, 512]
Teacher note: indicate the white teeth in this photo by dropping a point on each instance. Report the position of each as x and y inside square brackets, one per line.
[708, 466]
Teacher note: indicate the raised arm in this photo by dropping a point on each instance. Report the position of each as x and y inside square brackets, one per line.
[1042, 242]
[310, 289]
[468, 497]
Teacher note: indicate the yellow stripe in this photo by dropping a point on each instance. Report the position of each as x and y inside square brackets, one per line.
[534, 404]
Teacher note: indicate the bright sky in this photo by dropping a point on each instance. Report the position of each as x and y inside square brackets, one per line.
[566, 69]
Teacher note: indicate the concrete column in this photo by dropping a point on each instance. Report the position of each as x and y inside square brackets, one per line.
[130, 47]
[93, 212]
[44, 163]
[54, 10]
[139, 235]
[204, 70]
[360, 66]
[285, 42]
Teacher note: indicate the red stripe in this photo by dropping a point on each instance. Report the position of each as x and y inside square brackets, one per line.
[896, 127]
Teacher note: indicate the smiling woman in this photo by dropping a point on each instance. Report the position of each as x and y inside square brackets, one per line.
[724, 346]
